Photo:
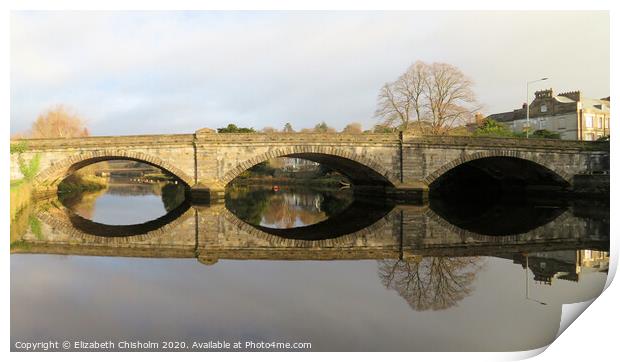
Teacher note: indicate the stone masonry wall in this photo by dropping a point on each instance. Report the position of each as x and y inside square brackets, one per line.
[425, 159]
[222, 157]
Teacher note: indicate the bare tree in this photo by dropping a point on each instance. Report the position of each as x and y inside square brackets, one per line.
[438, 96]
[411, 86]
[354, 128]
[450, 98]
[432, 282]
[58, 122]
[392, 108]
[401, 101]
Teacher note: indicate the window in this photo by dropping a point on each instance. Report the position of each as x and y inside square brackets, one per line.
[600, 122]
[542, 124]
[543, 108]
[589, 121]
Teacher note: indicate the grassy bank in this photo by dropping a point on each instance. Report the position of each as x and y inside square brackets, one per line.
[82, 183]
[21, 193]
[21, 208]
[158, 177]
[21, 222]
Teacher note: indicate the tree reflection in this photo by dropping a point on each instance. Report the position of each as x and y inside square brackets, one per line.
[285, 211]
[82, 203]
[430, 283]
[172, 195]
[247, 204]
[287, 208]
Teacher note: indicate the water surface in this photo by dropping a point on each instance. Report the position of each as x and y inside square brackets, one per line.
[371, 276]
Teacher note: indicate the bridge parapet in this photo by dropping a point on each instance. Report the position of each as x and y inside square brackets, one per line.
[507, 142]
[98, 142]
[298, 138]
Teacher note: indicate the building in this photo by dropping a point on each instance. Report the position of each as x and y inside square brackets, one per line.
[570, 114]
[563, 264]
[291, 164]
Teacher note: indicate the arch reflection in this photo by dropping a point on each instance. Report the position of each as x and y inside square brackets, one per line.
[99, 229]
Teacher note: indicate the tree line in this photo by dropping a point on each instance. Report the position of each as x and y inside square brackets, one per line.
[321, 127]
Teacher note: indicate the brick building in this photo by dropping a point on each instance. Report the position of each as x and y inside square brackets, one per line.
[570, 114]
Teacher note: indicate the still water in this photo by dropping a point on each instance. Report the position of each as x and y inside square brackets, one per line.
[136, 262]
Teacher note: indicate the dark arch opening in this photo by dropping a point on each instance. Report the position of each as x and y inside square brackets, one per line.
[498, 195]
[358, 173]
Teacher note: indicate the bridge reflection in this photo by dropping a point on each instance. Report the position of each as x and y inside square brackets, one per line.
[428, 261]
[362, 231]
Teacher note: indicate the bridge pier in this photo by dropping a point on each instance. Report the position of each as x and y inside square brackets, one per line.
[415, 192]
[201, 194]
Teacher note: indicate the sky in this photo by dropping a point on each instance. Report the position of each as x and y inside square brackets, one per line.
[176, 72]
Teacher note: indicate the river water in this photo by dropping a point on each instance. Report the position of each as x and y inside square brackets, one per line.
[136, 262]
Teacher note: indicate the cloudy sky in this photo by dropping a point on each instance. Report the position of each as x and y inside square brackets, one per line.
[175, 72]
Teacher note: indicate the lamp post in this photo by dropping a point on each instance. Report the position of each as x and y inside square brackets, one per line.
[527, 102]
[527, 289]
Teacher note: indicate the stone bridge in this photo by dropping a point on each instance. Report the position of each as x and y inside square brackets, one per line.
[396, 163]
[211, 232]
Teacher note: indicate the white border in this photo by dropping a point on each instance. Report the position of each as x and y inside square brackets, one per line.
[590, 337]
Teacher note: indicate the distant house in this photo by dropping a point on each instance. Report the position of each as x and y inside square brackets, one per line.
[570, 114]
[563, 264]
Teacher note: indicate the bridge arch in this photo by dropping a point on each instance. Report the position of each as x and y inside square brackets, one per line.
[463, 159]
[54, 174]
[361, 169]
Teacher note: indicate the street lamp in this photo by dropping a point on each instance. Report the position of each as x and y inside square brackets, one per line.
[527, 102]
[527, 289]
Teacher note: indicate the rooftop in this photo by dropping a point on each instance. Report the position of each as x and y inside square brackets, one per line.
[565, 102]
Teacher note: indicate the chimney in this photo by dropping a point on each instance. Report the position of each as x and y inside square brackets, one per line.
[545, 93]
[573, 95]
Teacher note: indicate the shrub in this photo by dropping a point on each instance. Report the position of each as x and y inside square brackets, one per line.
[492, 128]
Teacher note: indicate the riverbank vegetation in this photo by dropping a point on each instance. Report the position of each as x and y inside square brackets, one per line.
[21, 189]
[480, 127]
[19, 222]
[82, 182]
[21, 193]
[56, 122]
[290, 171]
